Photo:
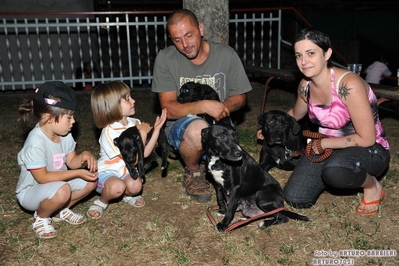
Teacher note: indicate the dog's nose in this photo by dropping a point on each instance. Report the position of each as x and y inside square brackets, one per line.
[238, 153]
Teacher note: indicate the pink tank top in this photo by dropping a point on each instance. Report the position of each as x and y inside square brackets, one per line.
[334, 120]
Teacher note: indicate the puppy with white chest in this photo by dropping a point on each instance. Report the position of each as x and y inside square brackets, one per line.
[241, 184]
[283, 142]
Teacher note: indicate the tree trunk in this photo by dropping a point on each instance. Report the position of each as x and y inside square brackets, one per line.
[214, 14]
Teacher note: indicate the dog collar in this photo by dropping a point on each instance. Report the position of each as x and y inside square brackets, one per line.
[289, 153]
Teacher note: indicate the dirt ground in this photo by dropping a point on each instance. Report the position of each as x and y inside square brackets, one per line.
[173, 230]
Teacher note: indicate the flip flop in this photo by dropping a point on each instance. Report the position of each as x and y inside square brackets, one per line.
[374, 202]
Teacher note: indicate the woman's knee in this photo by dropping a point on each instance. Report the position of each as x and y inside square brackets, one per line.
[298, 200]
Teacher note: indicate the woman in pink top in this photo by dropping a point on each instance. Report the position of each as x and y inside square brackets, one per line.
[345, 108]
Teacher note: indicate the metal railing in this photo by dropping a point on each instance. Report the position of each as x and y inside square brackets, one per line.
[84, 49]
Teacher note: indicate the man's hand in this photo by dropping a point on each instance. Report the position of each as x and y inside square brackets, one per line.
[216, 109]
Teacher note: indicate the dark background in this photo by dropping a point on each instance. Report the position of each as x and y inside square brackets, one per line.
[362, 30]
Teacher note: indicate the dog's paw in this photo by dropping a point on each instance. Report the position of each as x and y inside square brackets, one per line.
[221, 227]
[220, 213]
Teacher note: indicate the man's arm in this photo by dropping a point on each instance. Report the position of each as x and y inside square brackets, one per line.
[215, 109]
[235, 102]
[168, 101]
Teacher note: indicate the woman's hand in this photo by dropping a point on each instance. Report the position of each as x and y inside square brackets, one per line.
[259, 135]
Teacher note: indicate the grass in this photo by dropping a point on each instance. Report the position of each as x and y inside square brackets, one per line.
[174, 230]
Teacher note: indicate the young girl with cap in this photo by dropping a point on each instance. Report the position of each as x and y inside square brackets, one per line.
[46, 184]
[112, 107]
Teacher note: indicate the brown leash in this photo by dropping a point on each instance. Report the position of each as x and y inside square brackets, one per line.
[240, 223]
[316, 137]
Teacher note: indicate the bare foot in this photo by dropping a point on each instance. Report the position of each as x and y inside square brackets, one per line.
[371, 199]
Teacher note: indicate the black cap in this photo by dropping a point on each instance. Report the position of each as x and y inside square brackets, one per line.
[57, 89]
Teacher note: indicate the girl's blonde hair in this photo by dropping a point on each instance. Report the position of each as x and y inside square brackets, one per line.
[106, 102]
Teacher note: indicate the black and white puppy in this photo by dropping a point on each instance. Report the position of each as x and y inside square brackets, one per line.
[131, 147]
[283, 141]
[193, 92]
[241, 184]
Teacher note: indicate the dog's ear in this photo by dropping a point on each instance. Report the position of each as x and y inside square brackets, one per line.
[295, 127]
[236, 136]
[204, 134]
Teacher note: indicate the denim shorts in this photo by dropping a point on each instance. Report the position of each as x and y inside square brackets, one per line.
[178, 128]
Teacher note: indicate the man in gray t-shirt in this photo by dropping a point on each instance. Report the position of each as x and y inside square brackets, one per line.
[194, 59]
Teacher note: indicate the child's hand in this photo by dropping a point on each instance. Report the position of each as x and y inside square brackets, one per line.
[87, 175]
[160, 120]
[91, 161]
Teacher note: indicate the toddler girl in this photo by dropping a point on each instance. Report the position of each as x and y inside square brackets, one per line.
[112, 107]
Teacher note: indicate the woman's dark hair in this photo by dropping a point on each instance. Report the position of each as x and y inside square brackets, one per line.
[318, 37]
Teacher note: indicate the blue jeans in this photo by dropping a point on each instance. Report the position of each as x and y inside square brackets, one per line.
[177, 130]
[344, 169]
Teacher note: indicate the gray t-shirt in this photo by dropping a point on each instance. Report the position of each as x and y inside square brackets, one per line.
[39, 152]
[222, 70]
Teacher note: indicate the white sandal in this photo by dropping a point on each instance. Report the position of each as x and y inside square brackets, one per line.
[133, 201]
[43, 226]
[97, 206]
[70, 217]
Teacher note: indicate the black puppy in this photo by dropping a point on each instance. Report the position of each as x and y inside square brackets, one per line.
[240, 182]
[131, 147]
[193, 92]
[283, 143]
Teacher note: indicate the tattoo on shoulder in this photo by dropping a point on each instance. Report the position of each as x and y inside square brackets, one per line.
[302, 89]
[343, 91]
